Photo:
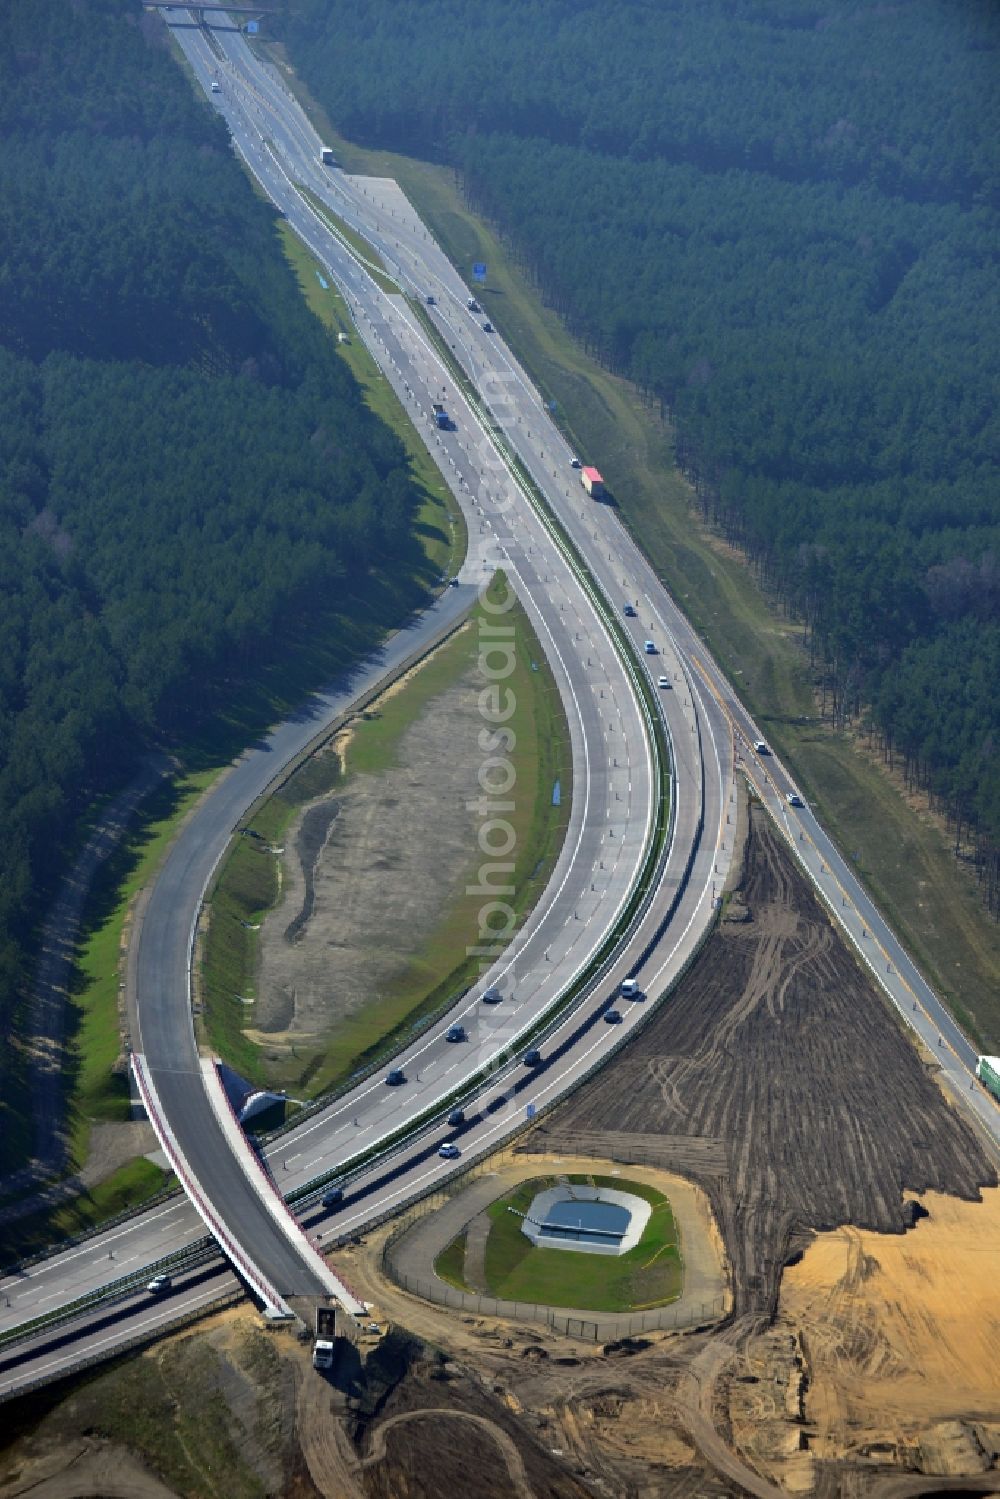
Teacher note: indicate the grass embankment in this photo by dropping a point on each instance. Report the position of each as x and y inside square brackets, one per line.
[440, 523]
[450, 1264]
[366, 253]
[97, 1091]
[648, 1275]
[903, 854]
[439, 967]
[189, 1416]
[318, 647]
[128, 1187]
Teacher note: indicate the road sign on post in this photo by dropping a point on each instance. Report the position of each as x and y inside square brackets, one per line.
[479, 271]
[529, 1111]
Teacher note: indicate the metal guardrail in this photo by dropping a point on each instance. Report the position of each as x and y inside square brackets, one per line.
[72, 1241]
[110, 1294]
[140, 1340]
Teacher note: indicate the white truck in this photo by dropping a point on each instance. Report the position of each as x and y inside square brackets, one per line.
[326, 1332]
[326, 156]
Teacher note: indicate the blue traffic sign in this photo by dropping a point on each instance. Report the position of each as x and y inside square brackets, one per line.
[479, 270]
[529, 1111]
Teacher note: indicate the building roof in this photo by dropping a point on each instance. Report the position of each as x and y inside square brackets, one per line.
[594, 475]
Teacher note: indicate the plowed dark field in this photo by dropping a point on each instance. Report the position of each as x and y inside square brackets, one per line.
[780, 1079]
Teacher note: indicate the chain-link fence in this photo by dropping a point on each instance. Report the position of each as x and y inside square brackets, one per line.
[597, 1327]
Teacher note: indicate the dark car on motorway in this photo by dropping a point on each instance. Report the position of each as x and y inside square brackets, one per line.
[331, 1197]
[492, 996]
[455, 1033]
[456, 1117]
[532, 1057]
[613, 1017]
[395, 1076]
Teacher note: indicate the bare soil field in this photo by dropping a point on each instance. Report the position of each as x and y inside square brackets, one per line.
[352, 908]
[234, 1411]
[368, 872]
[780, 1053]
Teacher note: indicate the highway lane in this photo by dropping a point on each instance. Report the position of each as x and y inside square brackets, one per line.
[246, 137]
[103, 1330]
[381, 212]
[164, 1031]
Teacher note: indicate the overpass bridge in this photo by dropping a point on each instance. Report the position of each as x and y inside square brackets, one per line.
[200, 12]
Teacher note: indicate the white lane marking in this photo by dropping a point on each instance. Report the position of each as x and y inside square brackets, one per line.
[72, 1357]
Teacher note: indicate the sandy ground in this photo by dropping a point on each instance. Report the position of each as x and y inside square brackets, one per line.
[901, 1337]
[367, 874]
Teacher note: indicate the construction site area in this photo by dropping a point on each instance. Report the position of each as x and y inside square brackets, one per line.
[843, 1201]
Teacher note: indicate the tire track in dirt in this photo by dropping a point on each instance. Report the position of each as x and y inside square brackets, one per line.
[509, 1452]
[778, 1045]
[333, 1465]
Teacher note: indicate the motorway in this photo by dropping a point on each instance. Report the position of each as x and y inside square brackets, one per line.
[705, 722]
[595, 873]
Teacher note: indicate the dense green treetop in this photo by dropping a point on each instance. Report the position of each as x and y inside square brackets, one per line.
[902, 95]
